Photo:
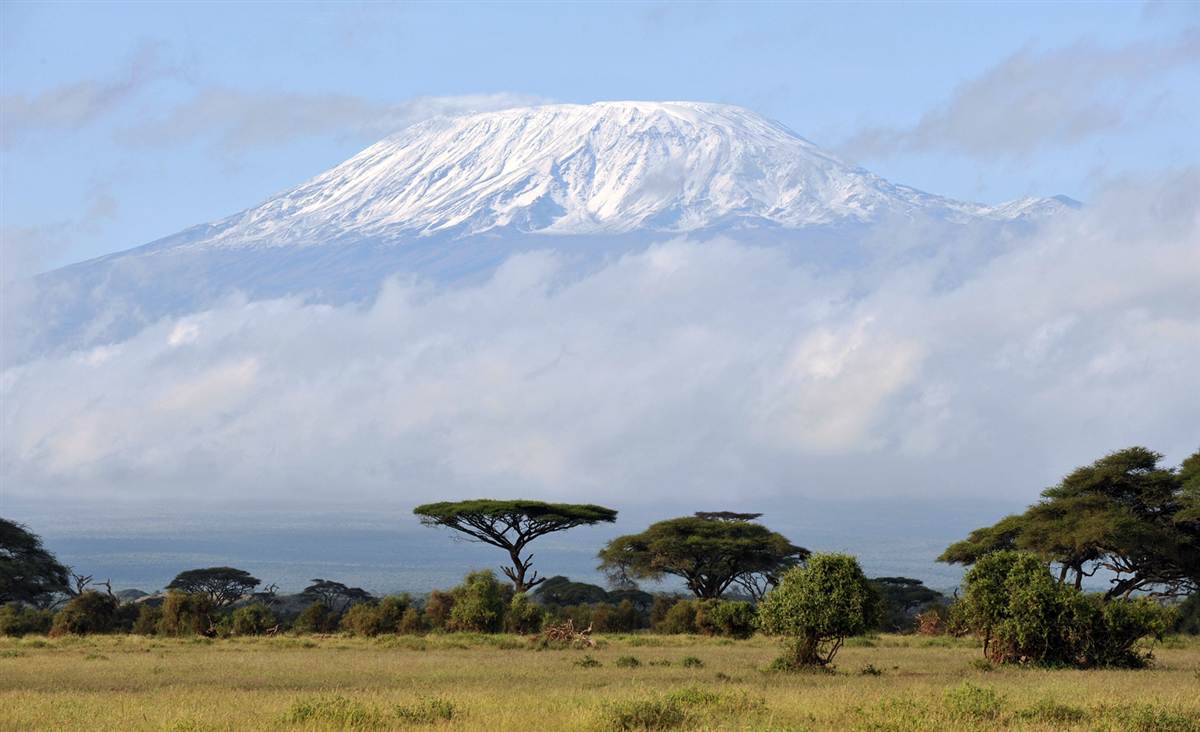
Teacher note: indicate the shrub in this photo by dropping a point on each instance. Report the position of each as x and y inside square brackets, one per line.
[734, 619]
[627, 662]
[390, 612]
[148, 619]
[817, 606]
[973, 703]
[1187, 616]
[254, 619]
[437, 609]
[1023, 615]
[186, 614]
[692, 662]
[336, 712]
[412, 622]
[523, 615]
[479, 604]
[361, 619]
[18, 620]
[679, 618]
[1048, 711]
[316, 618]
[620, 618]
[87, 612]
[588, 662]
[659, 608]
[644, 714]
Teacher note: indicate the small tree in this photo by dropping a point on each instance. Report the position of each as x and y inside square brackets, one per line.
[223, 585]
[186, 614]
[28, 573]
[511, 525]
[316, 618]
[708, 551]
[816, 607]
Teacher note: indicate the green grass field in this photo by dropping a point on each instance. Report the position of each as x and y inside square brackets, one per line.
[502, 683]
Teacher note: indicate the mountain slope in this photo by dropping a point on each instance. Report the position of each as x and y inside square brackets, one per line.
[611, 167]
[450, 198]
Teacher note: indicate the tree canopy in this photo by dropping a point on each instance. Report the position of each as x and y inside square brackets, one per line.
[1124, 514]
[223, 585]
[334, 595]
[511, 525]
[29, 573]
[708, 554]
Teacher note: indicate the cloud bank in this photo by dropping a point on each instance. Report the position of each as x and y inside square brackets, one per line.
[691, 371]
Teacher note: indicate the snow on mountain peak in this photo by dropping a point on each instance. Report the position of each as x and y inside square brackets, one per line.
[609, 167]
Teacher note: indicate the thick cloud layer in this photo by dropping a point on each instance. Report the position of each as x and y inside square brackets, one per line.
[690, 371]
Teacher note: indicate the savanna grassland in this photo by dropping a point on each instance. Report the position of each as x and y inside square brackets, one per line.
[503, 682]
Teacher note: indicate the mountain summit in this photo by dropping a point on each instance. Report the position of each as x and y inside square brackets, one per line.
[610, 167]
[450, 198]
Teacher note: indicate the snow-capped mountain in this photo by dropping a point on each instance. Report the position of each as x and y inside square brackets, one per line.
[612, 167]
[450, 198]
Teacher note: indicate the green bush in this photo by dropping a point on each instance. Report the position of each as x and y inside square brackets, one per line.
[316, 618]
[87, 612]
[734, 619]
[361, 619]
[254, 619]
[148, 619]
[679, 618]
[18, 620]
[1024, 615]
[660, 606]
[817, 606]
[479, 604]
[186, 613]
[620, 618]
[523, 616]
[426, 711]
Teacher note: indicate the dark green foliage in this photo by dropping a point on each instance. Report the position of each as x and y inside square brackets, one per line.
[691, 662]
[709, 554]
[659, 608]
[620, 618]
[561, 591]
[680, 618]
[86, 613]
[1187, 616]
[730, 618]
[479, 604]
[523, 615]
[385, 616]
[334, 595]
[28, 573]
[18, 620]
[254, 619]
[412, 622]
[1025, 616]
[148, 619]
[511, 525]
[903, 599]
[437, 609]
[186, 613]
[627, 662]
[316, 618]
[816, 607]
[223, 585]
[1124, 513]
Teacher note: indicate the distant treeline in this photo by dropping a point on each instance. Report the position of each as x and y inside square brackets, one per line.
[1125, 515]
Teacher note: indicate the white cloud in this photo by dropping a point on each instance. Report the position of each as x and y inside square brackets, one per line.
[708, 372]
[1037, 99]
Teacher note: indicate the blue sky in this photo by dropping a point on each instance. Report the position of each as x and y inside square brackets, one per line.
[123, 123]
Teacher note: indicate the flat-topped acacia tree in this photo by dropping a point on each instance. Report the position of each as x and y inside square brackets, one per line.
[511, 525]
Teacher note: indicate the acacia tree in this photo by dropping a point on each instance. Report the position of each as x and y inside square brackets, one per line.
[222, 585]
[708, 551]
[334, 595]
[28, 572]
[511, 525]
[1124, 513]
